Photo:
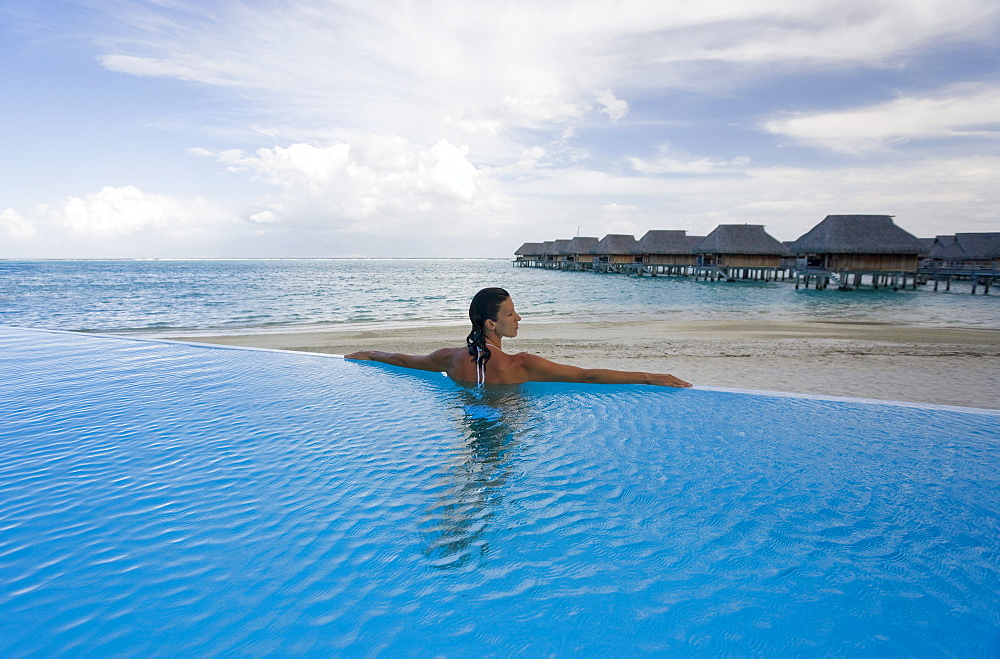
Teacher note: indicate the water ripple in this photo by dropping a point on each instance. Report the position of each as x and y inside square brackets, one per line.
[159, 497]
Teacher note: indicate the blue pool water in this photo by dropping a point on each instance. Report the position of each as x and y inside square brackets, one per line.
[165, 498]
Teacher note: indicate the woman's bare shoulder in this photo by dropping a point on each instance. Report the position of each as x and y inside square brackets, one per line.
[527, 358]
[449, 355]
[535, 366]
[451, 352]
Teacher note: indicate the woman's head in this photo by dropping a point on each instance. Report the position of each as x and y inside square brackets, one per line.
[485, 307]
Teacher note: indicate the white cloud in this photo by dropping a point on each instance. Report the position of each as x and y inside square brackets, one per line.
[928, 197]
[834, 32]
[619, 218]
[13, 226]
[110, 221]
[669, 161]
[440, 122]
[122, 211]
[165, 68]
[338, 184]
[615, 108]
[538, 110]
[969, 110]
[409, 68]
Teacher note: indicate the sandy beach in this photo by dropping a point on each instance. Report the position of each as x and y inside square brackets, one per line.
[943, 366]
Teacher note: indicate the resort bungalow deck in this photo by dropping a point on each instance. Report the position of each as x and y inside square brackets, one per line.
[577, 253]
[972, 256]
[852, 250]
[664, 252]
[614, 252]
[739, 251]
[847, 250]
[583, 252]
[556, 252]
[528, 254]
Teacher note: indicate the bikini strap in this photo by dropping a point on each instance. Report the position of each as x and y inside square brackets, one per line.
[480, 368]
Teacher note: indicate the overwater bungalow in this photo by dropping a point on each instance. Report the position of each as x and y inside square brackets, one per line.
[528, 253]
[972, 256]
[739, 251]
[927, 244]
[556, 251]
[966, 250]
[845, 249]
[666, 246]
[614, 251]
[583, 250]
[664, 252]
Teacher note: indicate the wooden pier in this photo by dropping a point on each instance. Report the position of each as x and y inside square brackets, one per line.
[982, 280]
[740, 273]
[849, 280]
[658, 270]
[978, 276]
[847, 252]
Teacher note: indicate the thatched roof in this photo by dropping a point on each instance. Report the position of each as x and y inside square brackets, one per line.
[926, 245]
[558, 248]
[529, 249]
[740, 239]
[616, 243]
[583, 245]
[967, 246]
[665, 241]
[857, 234]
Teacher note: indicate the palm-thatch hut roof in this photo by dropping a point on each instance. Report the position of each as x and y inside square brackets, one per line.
[558, 247]
[857, 234]
[583, 245]
[967, 247]
[666, 241]
[740, 239]
[616, 243]
[529, 249]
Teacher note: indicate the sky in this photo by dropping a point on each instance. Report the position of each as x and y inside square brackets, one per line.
[464, 128]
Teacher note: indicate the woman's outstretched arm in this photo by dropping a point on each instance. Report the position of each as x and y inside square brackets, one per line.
[542, 370]
[439, 360]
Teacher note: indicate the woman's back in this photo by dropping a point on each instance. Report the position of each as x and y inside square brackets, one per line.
[500, 369]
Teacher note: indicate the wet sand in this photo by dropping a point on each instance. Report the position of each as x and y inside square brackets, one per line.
[918, 364]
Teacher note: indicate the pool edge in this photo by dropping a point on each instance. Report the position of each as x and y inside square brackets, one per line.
[756, 392]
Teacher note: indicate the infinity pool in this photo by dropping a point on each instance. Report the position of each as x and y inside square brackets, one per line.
[162, 498]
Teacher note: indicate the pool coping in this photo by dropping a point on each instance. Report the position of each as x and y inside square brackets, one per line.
[756, 392]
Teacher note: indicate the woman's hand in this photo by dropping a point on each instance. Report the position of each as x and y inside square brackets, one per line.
[667, 380]
[361, 354]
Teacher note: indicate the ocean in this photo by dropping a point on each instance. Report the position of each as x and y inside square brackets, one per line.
[198, 297]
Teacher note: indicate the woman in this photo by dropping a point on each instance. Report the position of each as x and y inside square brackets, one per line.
[483, 360]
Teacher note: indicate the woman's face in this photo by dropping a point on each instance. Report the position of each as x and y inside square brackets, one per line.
[506, 323]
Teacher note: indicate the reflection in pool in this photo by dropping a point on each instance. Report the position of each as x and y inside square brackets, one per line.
[489, 422]
[159, 497]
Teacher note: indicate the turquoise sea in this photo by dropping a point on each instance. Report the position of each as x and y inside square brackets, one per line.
[171, 298]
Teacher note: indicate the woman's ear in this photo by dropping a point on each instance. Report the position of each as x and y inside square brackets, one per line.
[490, 325]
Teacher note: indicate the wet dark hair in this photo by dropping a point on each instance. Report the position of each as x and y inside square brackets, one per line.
[485, 306]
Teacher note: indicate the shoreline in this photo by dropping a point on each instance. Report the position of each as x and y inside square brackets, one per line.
[909, 363]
